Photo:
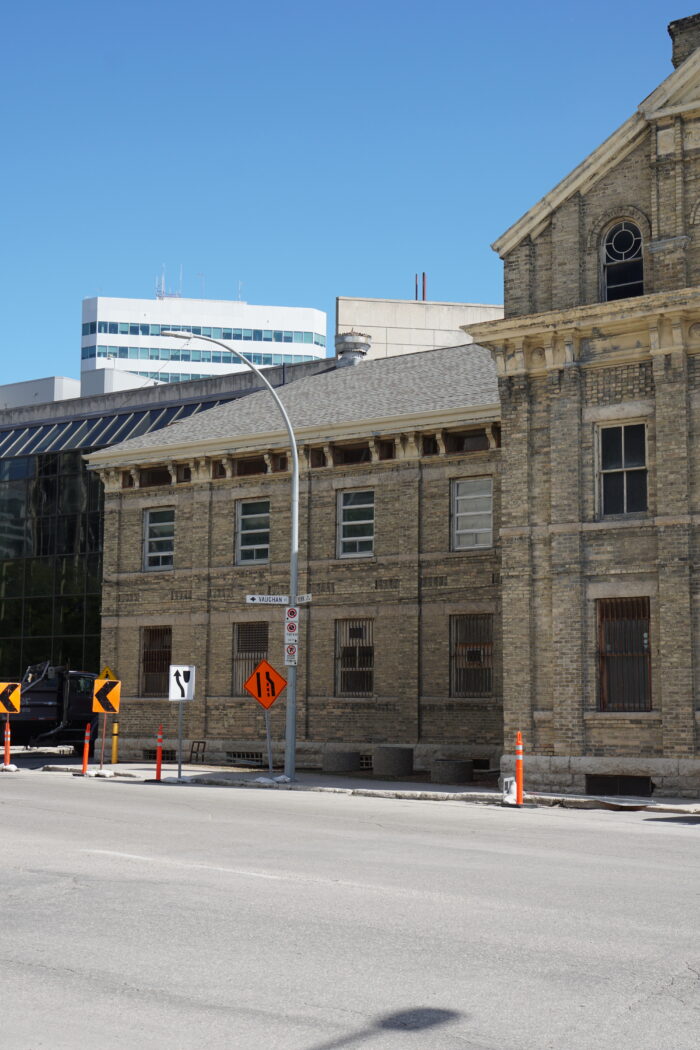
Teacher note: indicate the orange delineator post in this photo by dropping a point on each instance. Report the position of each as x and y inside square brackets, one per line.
[8, 753]
[159, 752]
[86, 748]
[519, 769]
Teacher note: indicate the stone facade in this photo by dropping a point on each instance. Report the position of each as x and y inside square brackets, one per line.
[577, 369]
[409, 588]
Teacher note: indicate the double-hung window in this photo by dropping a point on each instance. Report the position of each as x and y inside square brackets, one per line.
[472, 513]
[354, 658]
[253, 532]
[159, 538]
[623, 469]
[356, 523]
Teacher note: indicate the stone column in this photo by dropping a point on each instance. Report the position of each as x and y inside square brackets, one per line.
[672, 671]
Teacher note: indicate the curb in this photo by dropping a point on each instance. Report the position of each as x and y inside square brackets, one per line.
[480, 798]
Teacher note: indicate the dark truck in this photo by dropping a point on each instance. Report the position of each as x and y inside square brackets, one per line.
[56, 704]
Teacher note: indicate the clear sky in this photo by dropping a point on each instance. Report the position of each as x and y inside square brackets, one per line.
[291, 152]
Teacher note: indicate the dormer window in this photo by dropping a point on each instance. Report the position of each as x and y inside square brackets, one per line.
[623, 266]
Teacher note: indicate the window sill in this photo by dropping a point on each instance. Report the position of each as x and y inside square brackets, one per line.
[607, 716]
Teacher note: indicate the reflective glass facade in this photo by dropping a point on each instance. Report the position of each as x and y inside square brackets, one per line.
[51, 535]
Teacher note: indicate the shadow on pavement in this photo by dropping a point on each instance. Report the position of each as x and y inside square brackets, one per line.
[417, 1020]
[689, 819]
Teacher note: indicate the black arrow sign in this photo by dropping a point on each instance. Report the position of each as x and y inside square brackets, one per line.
[102, 697]
[6, 699]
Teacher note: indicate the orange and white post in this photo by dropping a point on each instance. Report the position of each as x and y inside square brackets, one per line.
[159, 753]
[8, 750]
[519, 769]
[86, 747]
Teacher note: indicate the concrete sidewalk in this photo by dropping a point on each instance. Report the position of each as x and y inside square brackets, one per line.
[416, 788]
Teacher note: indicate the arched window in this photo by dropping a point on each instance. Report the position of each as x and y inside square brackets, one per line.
[623, 266]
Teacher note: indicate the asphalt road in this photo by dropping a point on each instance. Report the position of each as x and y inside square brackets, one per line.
[141, 916]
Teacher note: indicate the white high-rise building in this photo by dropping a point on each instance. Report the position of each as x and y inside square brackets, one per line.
[124, 335]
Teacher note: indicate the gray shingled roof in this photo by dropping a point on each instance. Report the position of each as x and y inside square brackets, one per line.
[449, 378]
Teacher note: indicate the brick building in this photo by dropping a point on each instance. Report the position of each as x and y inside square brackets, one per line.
[489, 549]
[399, 548]
[599, 382]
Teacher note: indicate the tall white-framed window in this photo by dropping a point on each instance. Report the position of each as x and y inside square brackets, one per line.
[623, 469]
[158, 538]
[472, 513]
[355, 523]
[252, 531]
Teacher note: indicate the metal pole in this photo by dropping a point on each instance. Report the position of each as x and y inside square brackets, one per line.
[269, 741]
[291, 723]
[181, 706]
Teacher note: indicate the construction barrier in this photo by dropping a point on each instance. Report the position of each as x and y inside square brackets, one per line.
[115, 743]
[86, 748]
[519, 769]
[159, 753]
[8, 752]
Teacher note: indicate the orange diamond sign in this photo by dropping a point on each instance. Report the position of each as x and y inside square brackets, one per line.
[265, 684]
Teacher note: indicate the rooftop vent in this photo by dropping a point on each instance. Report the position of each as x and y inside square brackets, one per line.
[351, 347]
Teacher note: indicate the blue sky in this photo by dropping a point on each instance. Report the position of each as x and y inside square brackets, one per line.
[306, 150]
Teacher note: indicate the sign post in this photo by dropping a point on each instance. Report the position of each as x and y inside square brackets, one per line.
[265, 685]
[106, 698]
[180, 689]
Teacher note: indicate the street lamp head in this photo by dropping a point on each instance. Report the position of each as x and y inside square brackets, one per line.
[178, 335]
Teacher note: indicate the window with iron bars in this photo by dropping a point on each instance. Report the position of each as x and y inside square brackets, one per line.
[471, 654]
[156, 655]
[250, 642]
[354, 658]
[624, 655]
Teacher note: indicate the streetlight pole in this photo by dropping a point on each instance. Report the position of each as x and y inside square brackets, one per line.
[291, 724]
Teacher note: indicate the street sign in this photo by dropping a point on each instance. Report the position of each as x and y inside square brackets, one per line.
[181, 682]
[108, 673]
[106, 696]
[291, 653]
[291, 624]
[9, 698]
[265, 684]
[267, 599]
[291, 613]
[302, 599]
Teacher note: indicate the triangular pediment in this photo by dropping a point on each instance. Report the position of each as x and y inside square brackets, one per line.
[678, 93]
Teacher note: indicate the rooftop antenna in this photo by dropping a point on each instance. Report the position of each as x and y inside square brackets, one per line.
[201, 277]
[160, 284]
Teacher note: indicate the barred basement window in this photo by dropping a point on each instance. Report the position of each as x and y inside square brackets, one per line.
[471, 654]
[354, 658]
[624, 655]
[249, 648]
[623, 472]
[156, 655]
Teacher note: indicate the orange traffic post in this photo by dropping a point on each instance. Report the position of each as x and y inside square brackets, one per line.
[86, 748]
[519, 769]
[159, 752]
[8, 757]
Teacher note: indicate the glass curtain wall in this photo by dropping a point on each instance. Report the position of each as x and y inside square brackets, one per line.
[50, 562]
